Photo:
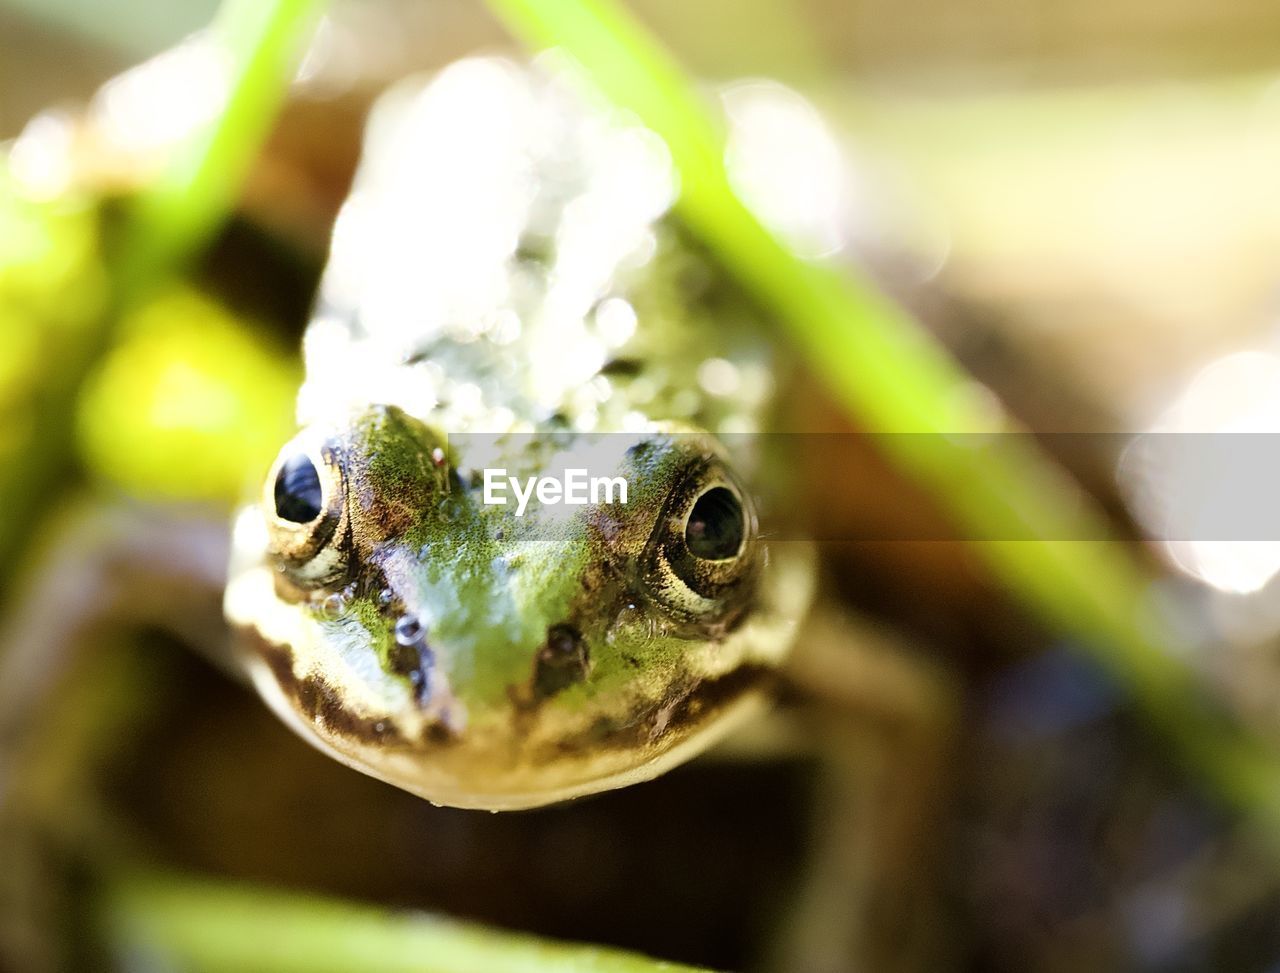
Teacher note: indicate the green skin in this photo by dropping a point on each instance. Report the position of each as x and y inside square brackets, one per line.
[455, 648]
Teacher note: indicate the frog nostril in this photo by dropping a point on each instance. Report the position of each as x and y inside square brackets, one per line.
[298, 496]
[561, 661]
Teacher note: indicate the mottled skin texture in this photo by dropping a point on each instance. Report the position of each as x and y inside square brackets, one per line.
[506, 290]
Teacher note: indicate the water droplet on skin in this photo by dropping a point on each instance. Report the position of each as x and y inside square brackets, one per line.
[333, 606]
[408, 629]
[628, 617]
[386, 596]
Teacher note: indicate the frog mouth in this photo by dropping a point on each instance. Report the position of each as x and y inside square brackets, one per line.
[313, 697]
[610, 752]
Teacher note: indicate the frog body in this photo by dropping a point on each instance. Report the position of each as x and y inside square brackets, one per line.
[507, 293]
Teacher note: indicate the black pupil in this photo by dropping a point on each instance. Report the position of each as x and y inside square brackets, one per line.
[714, 531]
[298, 494]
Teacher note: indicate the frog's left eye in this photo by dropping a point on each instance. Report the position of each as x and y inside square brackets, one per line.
[298, 496]
[304, 501]
[703, 553]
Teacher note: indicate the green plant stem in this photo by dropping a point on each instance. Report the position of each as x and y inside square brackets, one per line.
[261, 43]
[164, 225]
[210, 927]
[1028, 521]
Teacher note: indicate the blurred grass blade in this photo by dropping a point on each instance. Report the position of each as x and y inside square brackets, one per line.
[260, 43]
[893, 378]
[172, 922]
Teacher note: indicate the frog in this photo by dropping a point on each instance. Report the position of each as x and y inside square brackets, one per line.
[482, 654]
[508, 295]
[510, 298]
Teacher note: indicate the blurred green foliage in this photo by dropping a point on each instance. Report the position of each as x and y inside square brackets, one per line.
[226, 927]
[187, 390]
[49, 267]
[54, 290]
[191, 403]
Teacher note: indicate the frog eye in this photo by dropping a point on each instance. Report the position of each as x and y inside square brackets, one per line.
[716, 526]
[703, 553]
[304, 505]
[298, 496]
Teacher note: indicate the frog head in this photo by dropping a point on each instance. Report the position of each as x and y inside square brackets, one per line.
[404, 610]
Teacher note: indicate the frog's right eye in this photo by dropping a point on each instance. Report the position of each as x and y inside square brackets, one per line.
[703, 555]
[304, 501]
[716, 526]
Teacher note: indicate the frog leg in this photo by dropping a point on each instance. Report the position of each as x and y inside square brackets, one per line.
[106, 568]
[67, 685]
[886, 720]
[102, 566]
